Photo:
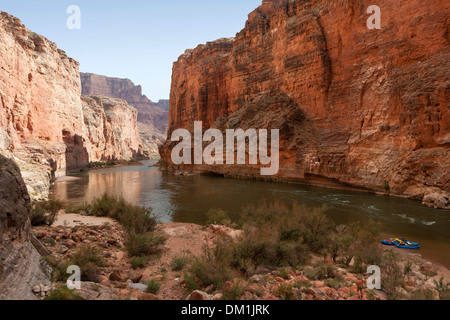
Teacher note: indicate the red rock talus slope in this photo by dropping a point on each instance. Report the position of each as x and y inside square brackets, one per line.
[355, 106]
[42, 124]
[152, 120]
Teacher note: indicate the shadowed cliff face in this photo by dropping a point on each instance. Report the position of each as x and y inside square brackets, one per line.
[376, 102]
[43, 124]
[17, 275]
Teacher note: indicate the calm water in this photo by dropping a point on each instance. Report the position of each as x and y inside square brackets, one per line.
[187, 198]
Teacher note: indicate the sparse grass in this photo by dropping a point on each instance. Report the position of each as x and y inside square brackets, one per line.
[235, 292]
[153, 287]
[50, 241]
[443, 288]
[90, 260]
[141, 245]
[63, 293]
[391, 275]
[219, 217]
[178, 264]
[407, 268]
[286, 292]
[284, 273]
[212, 268]
[138, 262]
[78, 208]
[422, 294]
[44, 212]
[335, 282]
[190, 283]
[59, 268]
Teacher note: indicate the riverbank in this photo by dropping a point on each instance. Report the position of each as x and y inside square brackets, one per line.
[169, 279]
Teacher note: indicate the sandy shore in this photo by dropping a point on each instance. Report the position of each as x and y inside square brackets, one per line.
[67, 179]
[73, 220]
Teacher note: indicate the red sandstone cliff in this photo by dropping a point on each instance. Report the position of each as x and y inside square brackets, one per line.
[42, 121]
[355, 106]
[152, 120]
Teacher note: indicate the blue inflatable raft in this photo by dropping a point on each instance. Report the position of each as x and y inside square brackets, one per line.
[401, 243]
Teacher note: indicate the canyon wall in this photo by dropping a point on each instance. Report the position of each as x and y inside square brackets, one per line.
[152, 120]
[20, 262]
[42, 122]
[112, 128]
[355, 107]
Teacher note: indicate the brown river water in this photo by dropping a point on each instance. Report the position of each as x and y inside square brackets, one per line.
[188, 198]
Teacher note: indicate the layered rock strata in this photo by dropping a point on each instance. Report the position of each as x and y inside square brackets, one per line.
[356, 107]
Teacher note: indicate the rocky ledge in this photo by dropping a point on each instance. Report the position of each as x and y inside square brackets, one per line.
[118, 280]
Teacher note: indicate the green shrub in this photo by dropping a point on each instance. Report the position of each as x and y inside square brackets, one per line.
[178, 264]
[335, 282]
[391, 275]
[61, 292]
[84, 208]
[140, 245]
[44, 212]
[50, 241]
[153, 287]
[90, 260]
[190, 283]
[59, 268]
[284, 273]
[443, 288]
[213, 267]
[387, 187]
[286, 292]
[134, 219]
[138, 262]
[235, 292]
[219, 217]
[422, 294]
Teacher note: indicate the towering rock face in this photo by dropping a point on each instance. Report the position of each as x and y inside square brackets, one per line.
[42, 124]
[152, 120]
[361, 107]
[112, 128]
[17, 275]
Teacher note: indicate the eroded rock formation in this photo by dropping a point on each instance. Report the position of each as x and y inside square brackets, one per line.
[112, 128]
[374, 103]
[152, 120]
[17, 275]
[42, 123]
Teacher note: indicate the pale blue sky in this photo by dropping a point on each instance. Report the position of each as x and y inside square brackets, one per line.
[135, 39]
